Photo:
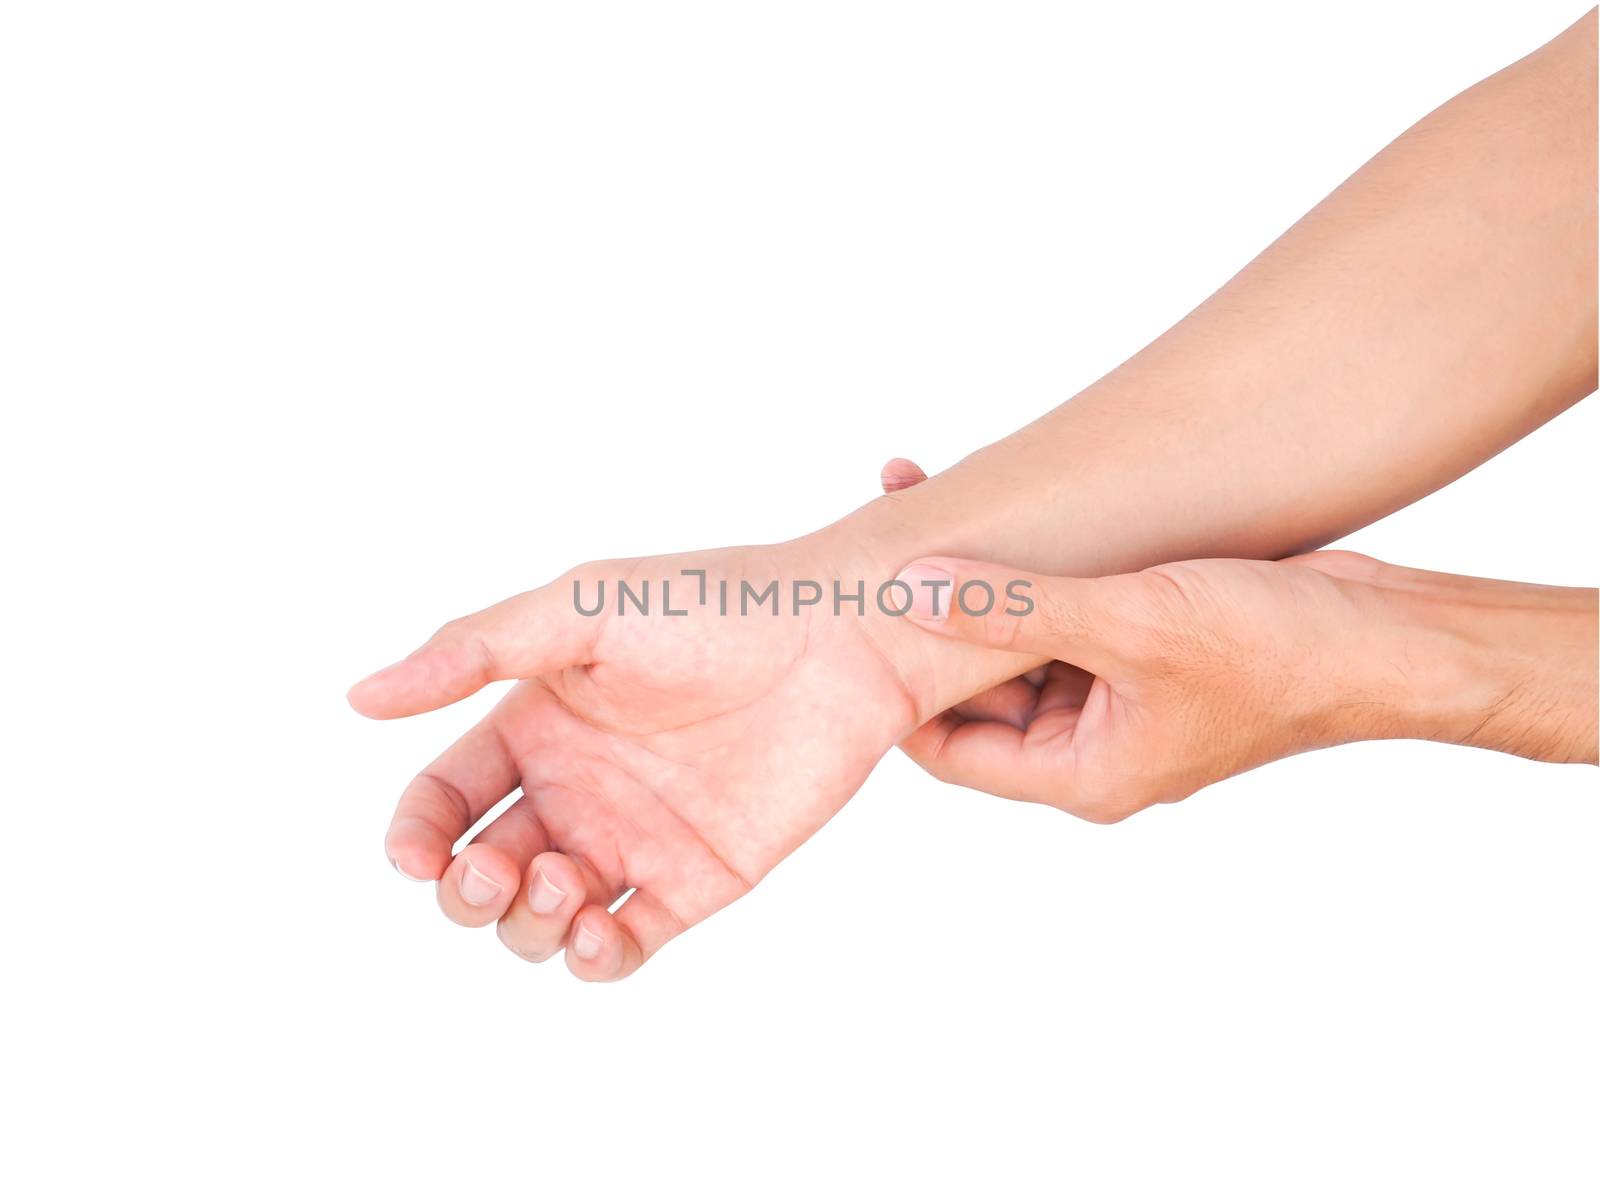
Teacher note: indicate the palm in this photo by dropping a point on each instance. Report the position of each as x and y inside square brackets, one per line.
[684, 756]
[687, 765]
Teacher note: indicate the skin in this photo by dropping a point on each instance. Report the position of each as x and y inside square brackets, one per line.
[1165, 681]
[679, 757]
[1436, 307]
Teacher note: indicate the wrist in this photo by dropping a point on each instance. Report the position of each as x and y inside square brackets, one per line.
[873, 544]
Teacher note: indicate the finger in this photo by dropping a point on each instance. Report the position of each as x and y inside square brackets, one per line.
[606, 946]
[478, 886]
[447, 798]
[899, 473]
[483, 879]
[517, 832]
[1075, 619]
[1012, 701]
[554, 888]
[1023, 698]
[1038, 765]
[987, 756]
[532, 633]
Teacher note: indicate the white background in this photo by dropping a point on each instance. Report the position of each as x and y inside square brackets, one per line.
[324, 322]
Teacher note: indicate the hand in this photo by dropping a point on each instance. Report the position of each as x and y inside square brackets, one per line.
[1170, 679]
[679, 757]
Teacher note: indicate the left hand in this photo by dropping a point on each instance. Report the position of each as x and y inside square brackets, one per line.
[678, 755]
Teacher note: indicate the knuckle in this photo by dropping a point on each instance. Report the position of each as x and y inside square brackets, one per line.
[1104, 813]
[1167, 591]
[1102, 803]
[1000, 630]
[587, 572]
[449, 632]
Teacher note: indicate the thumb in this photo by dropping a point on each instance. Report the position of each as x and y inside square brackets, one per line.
[527, 635]
[1066, 618]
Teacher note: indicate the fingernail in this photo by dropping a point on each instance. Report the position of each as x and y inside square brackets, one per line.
[475, 888]
[586, 944]
[544, 896]
[931, 591]
[399, 869]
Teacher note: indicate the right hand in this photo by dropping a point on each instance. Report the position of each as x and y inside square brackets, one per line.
[1170, 679]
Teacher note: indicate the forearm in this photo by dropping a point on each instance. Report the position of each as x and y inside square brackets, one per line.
[1495, 664]
[1435, 308]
